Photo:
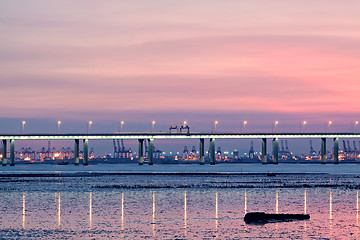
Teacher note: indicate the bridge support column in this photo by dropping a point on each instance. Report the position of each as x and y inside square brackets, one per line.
[76, 152]
[276, 150]
[151, 151]
[4, 152]
[336, 150]
[141, 151]
[12, 152]
[212, 151]
[202, 151]
[86, 152]
[323, 150]
[264, 152]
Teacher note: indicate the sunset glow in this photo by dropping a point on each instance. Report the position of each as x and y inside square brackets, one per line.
[266, 56]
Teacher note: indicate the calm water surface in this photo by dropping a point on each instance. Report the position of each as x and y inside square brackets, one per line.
[177, 207]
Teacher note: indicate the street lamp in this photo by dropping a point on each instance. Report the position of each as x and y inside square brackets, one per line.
[330, 122]
[215, 123]
[245, 122]
[274, 126]
[23, 126]
[356, 123]
[58, 126]
[121, 125]
[153, 125]
[89, 126]
[302, 125]
[185, 122]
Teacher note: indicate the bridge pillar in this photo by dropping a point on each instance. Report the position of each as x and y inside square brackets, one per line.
[202, 151]
[212, 151]
[264, 152]
[323, 150]
[141, 151]
[151, 151]
[336, 150]
[76, 152]
[86, 152]
[12, 152]
[276, 150]
[4, 151]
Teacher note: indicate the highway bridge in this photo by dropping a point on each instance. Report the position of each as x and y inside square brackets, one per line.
[151, 136]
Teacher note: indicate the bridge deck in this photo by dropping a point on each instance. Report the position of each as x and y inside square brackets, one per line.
[163, 135]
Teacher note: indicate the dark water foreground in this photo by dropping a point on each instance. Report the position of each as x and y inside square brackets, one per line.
[163, 206]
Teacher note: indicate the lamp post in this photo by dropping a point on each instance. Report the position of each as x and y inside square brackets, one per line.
[274, 126]
[23, 126]
[302, 126]
[245, 122]
[185, 122]
[89, 126]
[215, 123]
[58, 126]
[153, 125]
[355, 125]
[329, 123]
[121, 125]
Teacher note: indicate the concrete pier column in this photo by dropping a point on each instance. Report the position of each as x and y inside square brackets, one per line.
[336, 150]
[323, 150]
[151, 151]
[4, 151]
[276, 150]
[12, 152]
[76, 152]
[86, 152]
[264, 152]
[141, 151]
[202, 151]
[212, 151]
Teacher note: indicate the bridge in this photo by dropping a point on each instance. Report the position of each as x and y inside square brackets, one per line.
[151, 136]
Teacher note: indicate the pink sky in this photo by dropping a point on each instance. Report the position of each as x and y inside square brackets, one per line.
[104, 58]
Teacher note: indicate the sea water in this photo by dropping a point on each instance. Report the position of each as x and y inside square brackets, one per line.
[173, 206]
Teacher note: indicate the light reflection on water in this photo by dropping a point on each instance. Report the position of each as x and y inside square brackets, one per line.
[176, 213]
[23, 211]
[185, 214]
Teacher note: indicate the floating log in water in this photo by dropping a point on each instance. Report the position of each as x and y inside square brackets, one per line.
[262, 218]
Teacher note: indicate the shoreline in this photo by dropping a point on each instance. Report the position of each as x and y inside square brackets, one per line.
[52, 170]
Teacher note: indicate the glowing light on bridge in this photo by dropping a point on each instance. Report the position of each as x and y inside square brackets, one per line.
[89, 126]
[330, 122]
[23, 126]
[215, 124]
[58, 126]
[153, 125]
